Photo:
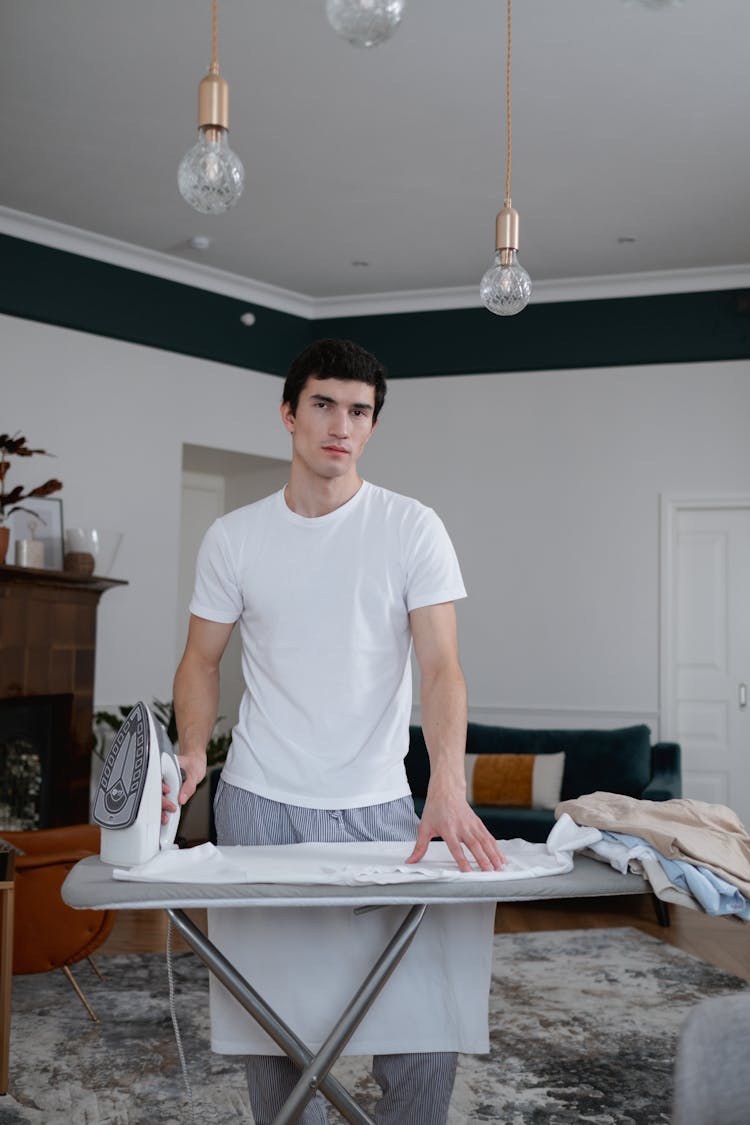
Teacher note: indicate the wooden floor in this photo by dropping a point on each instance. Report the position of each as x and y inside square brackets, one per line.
[724, 942]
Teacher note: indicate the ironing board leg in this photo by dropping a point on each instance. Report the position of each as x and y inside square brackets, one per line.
[314, 1075]
[280, 1032]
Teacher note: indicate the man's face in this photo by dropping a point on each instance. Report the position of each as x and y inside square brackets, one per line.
[332, 425]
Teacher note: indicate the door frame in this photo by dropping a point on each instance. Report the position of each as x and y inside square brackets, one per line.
[670, 506]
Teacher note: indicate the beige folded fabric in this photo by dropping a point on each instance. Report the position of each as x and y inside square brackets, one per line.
[695, 831]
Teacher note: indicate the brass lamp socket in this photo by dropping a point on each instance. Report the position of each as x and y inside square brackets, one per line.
[213, 102]
[506, 229]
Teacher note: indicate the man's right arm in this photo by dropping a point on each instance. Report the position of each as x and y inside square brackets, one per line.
[196, 697]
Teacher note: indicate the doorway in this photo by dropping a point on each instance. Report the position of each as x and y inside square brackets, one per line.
[706, 645]
[215, 481]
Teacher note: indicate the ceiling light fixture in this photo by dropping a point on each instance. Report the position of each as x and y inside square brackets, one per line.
[365, 23]
[505, 288]
[211, 176]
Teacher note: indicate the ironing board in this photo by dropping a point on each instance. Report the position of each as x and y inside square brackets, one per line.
[90, 885]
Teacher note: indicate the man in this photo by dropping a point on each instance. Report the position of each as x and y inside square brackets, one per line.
[332, 580]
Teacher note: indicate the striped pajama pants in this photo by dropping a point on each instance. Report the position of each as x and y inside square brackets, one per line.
[416, 1087]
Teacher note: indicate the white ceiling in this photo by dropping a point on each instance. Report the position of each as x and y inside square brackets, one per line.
[628, 123]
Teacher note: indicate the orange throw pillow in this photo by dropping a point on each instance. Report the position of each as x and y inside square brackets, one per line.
[527, 781]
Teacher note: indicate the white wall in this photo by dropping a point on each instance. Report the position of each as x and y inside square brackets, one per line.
[549, 483]
[117, 415]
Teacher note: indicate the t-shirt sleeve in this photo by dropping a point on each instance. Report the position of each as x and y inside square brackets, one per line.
[217, 596]
[432, 571]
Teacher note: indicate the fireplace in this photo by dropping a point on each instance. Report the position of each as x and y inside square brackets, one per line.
[47, 657]
[33, 753]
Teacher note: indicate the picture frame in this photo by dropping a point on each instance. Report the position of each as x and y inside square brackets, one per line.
[43, 522]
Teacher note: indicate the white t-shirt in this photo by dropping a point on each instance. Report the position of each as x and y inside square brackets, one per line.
[323, 606]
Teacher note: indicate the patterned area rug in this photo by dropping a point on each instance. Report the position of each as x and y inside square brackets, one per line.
[584, 1026]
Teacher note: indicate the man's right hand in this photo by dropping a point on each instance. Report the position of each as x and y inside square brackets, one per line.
[193, 767]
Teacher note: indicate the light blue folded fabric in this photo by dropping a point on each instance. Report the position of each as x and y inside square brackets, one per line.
[714, 894]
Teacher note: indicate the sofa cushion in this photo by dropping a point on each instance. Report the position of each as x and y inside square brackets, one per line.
[616, 761]
[530, 781]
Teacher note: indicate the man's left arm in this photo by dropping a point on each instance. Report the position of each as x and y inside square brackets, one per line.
[444, 715]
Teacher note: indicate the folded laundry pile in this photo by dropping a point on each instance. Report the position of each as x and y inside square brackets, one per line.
[693, 853]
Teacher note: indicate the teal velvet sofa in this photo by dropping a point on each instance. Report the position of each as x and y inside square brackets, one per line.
[615, 761]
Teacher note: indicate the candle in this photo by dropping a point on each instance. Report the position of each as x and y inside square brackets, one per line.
[30, 552]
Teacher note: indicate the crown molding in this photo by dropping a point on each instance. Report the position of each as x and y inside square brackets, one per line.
[655, 283]
[74, 240]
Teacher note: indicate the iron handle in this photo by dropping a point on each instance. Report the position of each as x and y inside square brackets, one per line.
[743, 695]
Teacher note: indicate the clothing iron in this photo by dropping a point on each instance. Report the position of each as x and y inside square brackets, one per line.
[127, 806]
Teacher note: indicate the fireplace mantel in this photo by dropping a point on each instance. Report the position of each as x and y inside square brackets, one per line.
[56, 579]
[48, 648]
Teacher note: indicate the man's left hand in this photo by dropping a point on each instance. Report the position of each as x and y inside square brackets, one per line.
[451, 817]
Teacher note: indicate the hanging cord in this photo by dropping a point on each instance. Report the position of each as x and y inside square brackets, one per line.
[507, 109]
[215, 38]
[210, 1115]
[173, 1012]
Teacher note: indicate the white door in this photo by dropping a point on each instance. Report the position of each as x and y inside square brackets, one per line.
[707, 670]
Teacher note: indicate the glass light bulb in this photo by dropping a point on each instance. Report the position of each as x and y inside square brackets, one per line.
[365, 23]
[211, 176]
[505, 289]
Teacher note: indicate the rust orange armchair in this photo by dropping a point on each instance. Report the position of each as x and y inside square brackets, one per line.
[47, 933]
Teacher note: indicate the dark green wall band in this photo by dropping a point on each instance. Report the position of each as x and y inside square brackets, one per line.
[675, 328]
[54, 286]
[57, 287]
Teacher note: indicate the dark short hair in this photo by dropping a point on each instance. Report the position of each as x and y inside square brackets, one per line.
[335, 359]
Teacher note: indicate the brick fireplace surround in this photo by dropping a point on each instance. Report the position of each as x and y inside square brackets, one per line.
[47, 654]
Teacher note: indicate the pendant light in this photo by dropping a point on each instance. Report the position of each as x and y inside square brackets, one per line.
[505, 288]
[211, 176]
[365, 23]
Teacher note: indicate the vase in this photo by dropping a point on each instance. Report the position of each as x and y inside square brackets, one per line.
[100, 546]
[4, 541]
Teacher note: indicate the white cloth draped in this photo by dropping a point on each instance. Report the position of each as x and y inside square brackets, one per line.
[308, 962]
[356, 864]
